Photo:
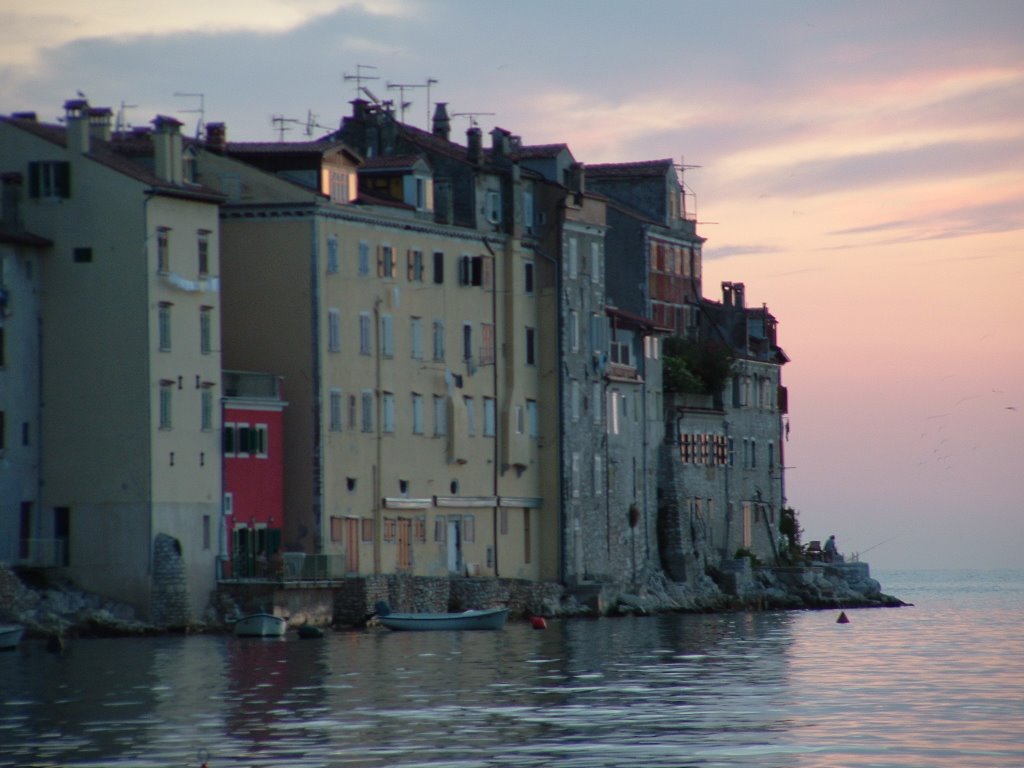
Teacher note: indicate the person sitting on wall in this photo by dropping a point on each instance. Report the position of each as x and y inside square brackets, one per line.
[831, 553]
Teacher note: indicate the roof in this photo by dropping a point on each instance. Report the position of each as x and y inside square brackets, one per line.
[109, 154]
[629, 170]
[630, 320]
[391, 163]
[539, 151]
[20, 237]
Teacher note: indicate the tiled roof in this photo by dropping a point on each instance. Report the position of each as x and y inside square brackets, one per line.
[390, 162]
[20, 237]
[628, 170]
[281, 147]
[538, 151]
[109, 155]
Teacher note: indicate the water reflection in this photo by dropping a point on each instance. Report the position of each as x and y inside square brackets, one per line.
[770, 689]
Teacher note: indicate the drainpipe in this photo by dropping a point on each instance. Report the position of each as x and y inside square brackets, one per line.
[318, 437]
[378, 512]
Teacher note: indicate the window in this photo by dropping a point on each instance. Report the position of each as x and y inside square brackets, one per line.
[487, 344]
[595, 262]
[470, 416]
[163, 250]
[206, 531]
[532, 418]
[595, 401]
[574, 400]
[619, 352]
[467, 341]
[438, 267]
[334, 330]
[417, 413]
[613, 412]
[439, 340]
[386, 261]
[351, 411]
[367, 529]
[414, 272]
[573, 265]
[771, 456]
[166, 392]
[475, 270]
[367, 398]
[732, 452]
[203, 248]
[598, 325]
[364, 333]
[388, 412]
[82, 255]
[468, 528]
[333, 261]
[494, 207]
[753, 454]
[574, 477]
[364, 258]
[416, 337]
[528, 217]
[520, 420]
[258, 438]
[206, 409]
[387, 336]
[335, 410]
[528, 276]
[164, 322]
[205, 329]
[440, 416]
[230, 445]
[489, 417]
[49, 179]
[598, 478]
[574, 331]
[531, 356]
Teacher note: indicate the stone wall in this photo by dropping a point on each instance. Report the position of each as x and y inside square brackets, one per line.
[170, 598]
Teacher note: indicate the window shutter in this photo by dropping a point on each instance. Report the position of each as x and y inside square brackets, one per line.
[33, 179]
[488, 272]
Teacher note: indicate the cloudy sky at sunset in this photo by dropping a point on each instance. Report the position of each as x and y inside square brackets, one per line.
[860, 166]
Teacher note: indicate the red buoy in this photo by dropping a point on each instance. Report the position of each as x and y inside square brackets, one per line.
[538, 622]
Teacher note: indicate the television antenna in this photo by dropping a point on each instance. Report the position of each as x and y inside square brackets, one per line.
[282, 124]
[685, 193]
[359, 77]
[201, 110]
[121, 121]
[472, 117]
[401, 95]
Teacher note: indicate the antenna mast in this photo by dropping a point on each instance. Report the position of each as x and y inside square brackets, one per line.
[401, 96]
[359, 77]
[684, 191]
[121, 123]
[472, 117]
[201, 122]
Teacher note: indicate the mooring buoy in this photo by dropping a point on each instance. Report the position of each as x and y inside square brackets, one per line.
[842, 618]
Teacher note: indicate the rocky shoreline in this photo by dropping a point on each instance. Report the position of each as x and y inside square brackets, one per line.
[55, 609]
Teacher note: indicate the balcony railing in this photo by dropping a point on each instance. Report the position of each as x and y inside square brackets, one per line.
[288, 567]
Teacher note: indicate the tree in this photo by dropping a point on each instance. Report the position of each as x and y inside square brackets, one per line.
[696, 367]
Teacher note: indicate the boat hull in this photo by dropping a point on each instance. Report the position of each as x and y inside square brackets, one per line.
[260, 625]
[492, 618]
[10, 636]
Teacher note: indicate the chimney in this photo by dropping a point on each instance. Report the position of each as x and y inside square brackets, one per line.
[167, 160]
[76, 116]
[216, 137]
[31, 117]
[442, 123]
[99, 123]
[474, 145]
[499, 142]
[726, 293]
[11, 192]
[577, 178]
[738, 290]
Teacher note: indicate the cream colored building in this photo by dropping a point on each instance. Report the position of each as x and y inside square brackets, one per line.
[410, 357]
[129, 357]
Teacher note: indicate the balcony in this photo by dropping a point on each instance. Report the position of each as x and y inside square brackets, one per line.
[290, 567]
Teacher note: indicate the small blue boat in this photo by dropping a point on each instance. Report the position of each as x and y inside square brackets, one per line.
[488, 618]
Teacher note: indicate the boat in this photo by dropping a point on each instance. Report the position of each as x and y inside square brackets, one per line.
[489, 618]
[260, 625]
[10, 636]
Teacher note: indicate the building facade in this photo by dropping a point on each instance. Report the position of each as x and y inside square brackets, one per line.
[129, 356]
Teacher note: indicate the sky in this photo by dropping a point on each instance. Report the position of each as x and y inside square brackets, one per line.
[858, 165]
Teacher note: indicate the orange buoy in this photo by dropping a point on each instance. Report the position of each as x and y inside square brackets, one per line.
[538, 622]
[842, 618]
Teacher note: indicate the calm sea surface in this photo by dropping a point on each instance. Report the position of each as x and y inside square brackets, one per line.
[939, 684]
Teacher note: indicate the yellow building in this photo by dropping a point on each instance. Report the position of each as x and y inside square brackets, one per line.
[130, 473]
[409, 353]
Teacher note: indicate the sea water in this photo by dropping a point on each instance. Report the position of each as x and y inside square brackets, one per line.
[937, 684]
